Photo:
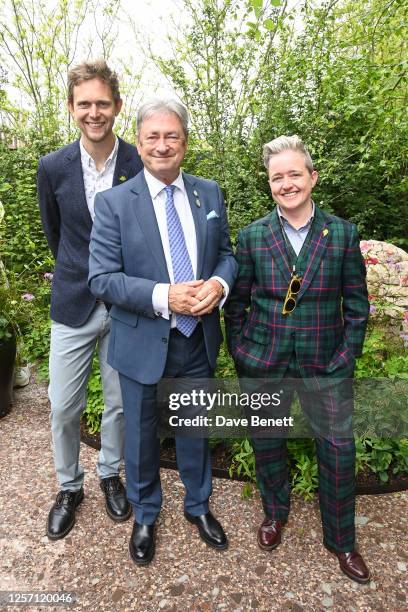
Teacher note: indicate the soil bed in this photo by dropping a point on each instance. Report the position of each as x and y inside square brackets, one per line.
[367, 482]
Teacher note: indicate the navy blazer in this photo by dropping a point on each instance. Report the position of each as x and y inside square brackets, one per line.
[67, 225]
[127, 260]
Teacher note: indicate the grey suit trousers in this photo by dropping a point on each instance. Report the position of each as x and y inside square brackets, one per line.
[71, 355]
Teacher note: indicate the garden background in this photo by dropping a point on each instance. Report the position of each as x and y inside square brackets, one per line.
[333, 72]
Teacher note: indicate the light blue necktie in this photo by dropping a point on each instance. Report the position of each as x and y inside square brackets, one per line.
[182, 268]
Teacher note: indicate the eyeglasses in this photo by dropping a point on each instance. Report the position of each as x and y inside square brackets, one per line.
[289, 304]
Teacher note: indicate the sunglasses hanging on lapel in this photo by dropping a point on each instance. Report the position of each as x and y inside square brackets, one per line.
[289, 304]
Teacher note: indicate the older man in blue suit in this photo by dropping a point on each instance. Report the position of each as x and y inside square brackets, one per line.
[68, 180]
[161, 254]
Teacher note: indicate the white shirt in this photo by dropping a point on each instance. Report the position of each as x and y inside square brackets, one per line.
[95, 181]
[160, 296]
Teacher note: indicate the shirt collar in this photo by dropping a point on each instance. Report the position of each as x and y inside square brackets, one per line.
[284, 221]
[87, 160]
[155, 186]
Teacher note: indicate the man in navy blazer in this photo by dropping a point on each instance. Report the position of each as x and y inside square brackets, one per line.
[160, 253]
[68, 180]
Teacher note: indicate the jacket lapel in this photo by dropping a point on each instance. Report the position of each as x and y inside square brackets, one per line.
[316, 248]
[200, 217]
[123, 164]
[144, 211]
[276, 244]
[73, 167]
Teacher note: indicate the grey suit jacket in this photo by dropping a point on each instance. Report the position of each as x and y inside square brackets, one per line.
[127, 260]
[67, 226]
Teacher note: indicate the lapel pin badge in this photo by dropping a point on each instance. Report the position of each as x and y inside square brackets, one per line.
[198, 203]
[325, 231]
[122, 178]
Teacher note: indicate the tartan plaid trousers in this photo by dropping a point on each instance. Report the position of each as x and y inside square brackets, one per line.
[318, 343]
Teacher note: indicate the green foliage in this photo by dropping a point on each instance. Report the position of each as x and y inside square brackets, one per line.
[303, 466]
[381, 408]
[341, 86]
[379, 455]
[302, 462]
[24, 248]
[247, 75]
[383, 356]
[36, 344]
[243, 459]
[16, 309]
[39, 43]
[382, 454]
[225, 366]
[94, 405]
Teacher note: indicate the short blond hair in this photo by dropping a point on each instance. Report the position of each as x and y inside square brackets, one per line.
[286, 143]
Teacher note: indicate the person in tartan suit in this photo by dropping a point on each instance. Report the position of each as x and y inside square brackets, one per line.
[298, 311]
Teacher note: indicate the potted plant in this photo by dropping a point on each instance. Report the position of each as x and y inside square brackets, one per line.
[8, 347]
[15, 312]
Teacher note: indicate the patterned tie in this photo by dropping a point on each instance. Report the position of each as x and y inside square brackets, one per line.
[182, 268]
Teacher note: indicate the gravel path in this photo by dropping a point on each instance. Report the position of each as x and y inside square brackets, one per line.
[93, 560]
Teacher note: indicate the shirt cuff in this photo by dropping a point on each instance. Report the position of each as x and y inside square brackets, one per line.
[226, 290]
[160, 300]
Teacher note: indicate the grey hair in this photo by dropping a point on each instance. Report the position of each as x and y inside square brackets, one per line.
[286, 143]
[164, 107]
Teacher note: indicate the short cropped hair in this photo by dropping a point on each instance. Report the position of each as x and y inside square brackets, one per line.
[286, 143]
[162, 106]
[93, 69]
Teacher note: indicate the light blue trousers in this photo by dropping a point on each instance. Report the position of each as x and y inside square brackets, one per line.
[71, 354]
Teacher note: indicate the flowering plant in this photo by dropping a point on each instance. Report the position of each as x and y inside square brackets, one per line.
[15, 310]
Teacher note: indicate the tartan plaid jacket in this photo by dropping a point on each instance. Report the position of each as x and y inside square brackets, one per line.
[326, 330]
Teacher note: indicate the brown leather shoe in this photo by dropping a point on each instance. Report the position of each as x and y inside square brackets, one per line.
[269, 534]
[352, 564]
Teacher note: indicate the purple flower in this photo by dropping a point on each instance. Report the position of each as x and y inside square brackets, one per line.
[28, 297]
[405, 339]
[372, 309]
[48, 276]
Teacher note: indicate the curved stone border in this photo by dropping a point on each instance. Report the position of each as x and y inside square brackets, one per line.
[361, 489]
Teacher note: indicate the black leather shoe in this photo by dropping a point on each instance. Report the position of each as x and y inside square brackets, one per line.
[209, 529]
[116, 503]
[141, 545]
[61, 518]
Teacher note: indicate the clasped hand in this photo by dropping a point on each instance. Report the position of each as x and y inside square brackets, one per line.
[196, 297]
